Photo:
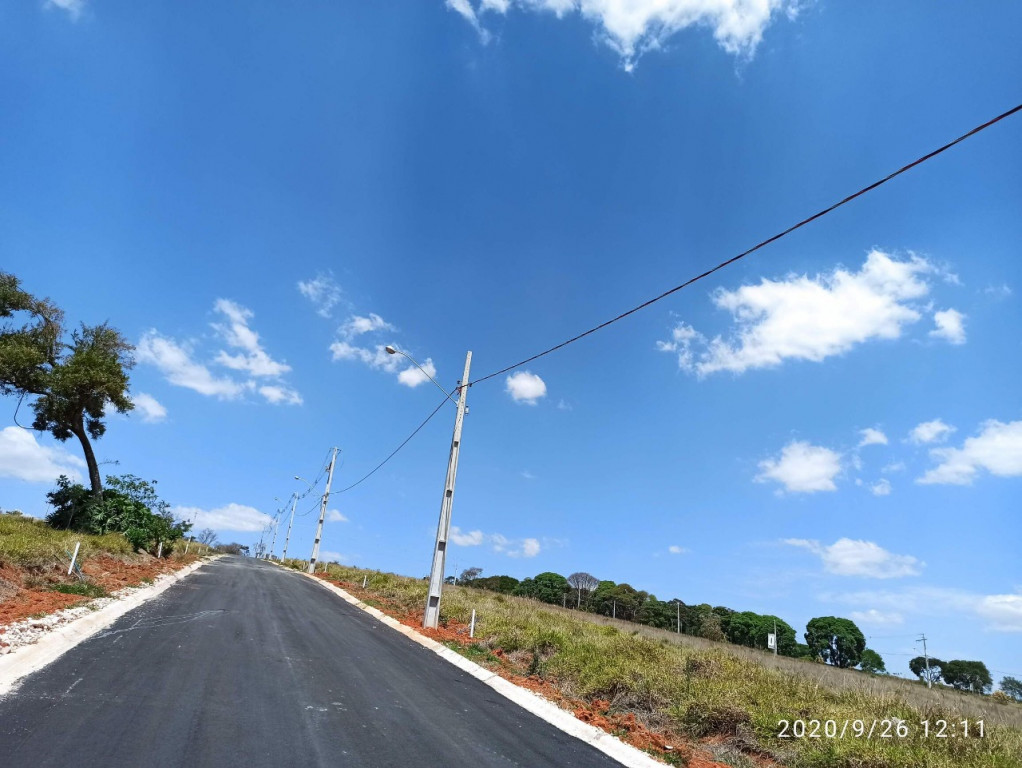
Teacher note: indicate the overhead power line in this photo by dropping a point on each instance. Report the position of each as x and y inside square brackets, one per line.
[756, 247]
[394, 452]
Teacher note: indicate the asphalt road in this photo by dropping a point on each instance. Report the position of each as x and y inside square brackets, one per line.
[245, 664]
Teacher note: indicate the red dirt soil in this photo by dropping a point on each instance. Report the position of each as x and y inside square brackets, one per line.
[111, 573]
[595, 712]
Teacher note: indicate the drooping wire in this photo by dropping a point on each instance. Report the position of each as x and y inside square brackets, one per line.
[394, 452]
[756, 247]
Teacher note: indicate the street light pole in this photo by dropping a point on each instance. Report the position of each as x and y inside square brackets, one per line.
[322, 513]
[431, 616]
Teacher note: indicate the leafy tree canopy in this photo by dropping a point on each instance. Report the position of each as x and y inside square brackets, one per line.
[548, 587]
[128, 506]
[1012, 686]
[837, 641]
[504, 584]
[71, 383]
[872, 662]
[751, 630]
[918, 667]
[967, 675]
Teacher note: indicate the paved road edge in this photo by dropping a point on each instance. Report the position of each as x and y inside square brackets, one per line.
[531, 702]
[31, 658]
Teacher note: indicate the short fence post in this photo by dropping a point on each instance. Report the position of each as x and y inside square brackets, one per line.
[73, 558]
[159, 551]
[472, 626]
[365, 578]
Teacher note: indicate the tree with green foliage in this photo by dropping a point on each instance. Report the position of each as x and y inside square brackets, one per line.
[919, 664]
[129, 506]
[751, 630]
[468, 576]
[71, 383]
[967, 675]
[872, 662]
[1012, 687]
[837, 641]
[506, 585]
[547, 587]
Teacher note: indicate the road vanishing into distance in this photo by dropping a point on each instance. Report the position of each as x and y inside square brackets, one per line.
[245, 664]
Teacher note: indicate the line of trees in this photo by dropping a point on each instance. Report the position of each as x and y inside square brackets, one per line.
[829, 639]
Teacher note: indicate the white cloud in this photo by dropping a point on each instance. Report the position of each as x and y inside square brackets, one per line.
[564, 405]
[528, 475]
[277, 394]
[872, 436]
[335, 516]
[935, 431]
[323, 292]
[883, 488]
[232, 517]
[23, 458]
[525, 387]
[950, 325]
[894, 466]
[802, 468]
[997, 449]
[875, 617]
[356, 325]
[674, 549]
[328, 556]
[1001, 291]
[1004, 612]
[150, 408]
[253, 359]
[530, 548]
[850, 557]
[512, 548]
[175, 362]
[470, 539]
[413, 377]
[73, 8]
[803, 318]
[633, 27]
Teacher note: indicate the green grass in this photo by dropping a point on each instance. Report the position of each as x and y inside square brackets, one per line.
[29, 543]
[83, 588]
[701, 689]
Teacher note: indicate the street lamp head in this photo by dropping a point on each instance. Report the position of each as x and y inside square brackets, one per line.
[390, 350]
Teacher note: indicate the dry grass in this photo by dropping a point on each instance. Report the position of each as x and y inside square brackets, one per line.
[732, 695]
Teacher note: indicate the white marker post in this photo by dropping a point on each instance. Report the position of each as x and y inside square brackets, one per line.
[74, 557]
[472, 626]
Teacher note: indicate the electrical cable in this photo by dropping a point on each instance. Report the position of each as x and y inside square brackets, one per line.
[756, 247]
[394, 452]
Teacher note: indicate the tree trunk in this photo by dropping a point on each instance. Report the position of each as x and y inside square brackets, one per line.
[90, 458]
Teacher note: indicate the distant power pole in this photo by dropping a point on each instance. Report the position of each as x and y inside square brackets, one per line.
[775, 637]
[431, 616]
[276, 526]
[287, 539]
[679, 616]
[322, 513]
[613, 610]
[926, 658]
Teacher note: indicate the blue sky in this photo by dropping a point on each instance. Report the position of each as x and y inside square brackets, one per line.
[261, 197]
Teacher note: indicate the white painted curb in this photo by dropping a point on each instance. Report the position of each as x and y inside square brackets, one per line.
[545, 710]
[31, 658]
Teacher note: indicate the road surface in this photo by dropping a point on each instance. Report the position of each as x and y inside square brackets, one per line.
[245, 664]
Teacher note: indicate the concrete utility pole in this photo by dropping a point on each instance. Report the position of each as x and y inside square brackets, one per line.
[287, 539]
[926, 658]
[322, 513]
[431, 616]
[679, 616]
[775, 637]
[276, 526]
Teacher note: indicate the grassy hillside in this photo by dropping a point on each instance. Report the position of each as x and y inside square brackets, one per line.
[29, 543]
[728, 699]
